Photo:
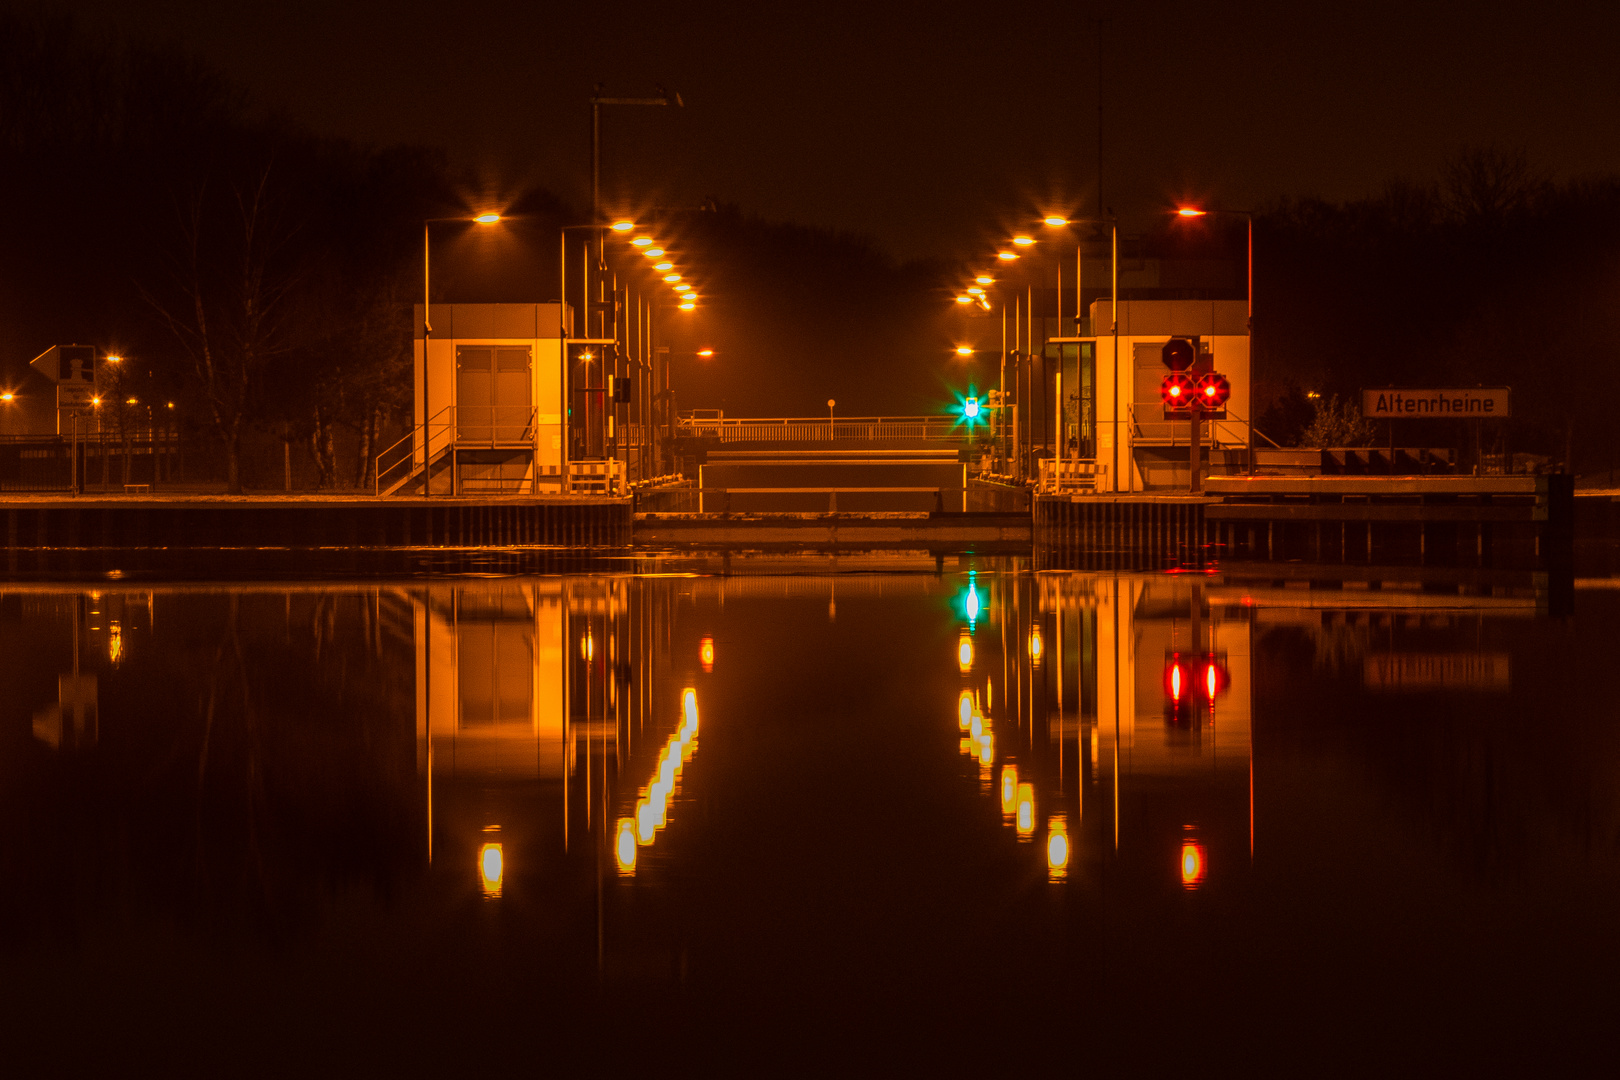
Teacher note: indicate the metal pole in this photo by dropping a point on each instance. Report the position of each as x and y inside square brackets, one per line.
[1001, 387]
[1250, 218]
[1195, 446]
[1114, 299]
[427, 333]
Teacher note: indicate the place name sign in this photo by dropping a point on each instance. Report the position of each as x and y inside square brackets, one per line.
[1478, 403]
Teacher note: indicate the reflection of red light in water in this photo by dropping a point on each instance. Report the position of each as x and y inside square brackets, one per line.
[1175, 682]
[1192, 864]
[706, 653]
[1209, 679]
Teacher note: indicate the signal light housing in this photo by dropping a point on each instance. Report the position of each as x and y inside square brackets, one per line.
[1213, 390]
[1177, 391]
[1179, 354]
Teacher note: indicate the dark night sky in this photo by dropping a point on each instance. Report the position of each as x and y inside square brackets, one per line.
[919, 123]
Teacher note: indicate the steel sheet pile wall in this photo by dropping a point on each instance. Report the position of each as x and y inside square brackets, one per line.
[1143, 533]
[259, 525]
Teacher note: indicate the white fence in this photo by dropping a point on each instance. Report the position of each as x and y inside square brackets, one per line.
[812, 429]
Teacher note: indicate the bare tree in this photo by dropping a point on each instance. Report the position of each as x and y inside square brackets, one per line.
[228, 304]
[1487, 185]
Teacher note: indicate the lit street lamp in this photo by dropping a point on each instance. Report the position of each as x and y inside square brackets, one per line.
[427, 335]
[1248, 217]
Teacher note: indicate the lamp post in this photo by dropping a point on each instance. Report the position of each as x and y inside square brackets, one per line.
[1079, 302]
[1248, 217]
[1024, 330]
[664, 98]
[427, 335]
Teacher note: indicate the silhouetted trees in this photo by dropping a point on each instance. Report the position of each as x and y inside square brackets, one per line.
[1488, 274]
[254, 274]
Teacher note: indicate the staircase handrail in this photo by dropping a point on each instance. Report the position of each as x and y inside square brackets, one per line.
[409, 457]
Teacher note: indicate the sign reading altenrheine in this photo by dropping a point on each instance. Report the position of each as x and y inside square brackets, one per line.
[1479, 403]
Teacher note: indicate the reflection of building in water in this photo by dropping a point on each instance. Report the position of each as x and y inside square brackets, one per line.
[532, 697]
[97, 625]
[1110, 718]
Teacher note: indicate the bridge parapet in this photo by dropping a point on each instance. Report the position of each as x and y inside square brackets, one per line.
[825, 431]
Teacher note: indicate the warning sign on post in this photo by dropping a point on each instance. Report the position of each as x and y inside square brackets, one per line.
[1478, 403]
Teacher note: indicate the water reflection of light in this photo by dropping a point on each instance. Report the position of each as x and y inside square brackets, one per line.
[975, 726]
[1009, 789]
[1026, 809]
[492, 866]
[987, 749]
[1057, 847]
[964, 711]
[1035, 646]
[1192, 864]
[706, 653]
[624, 846]
[972, 604]
[115, 641]
[964, 653]
[587, 647]
[652, 810]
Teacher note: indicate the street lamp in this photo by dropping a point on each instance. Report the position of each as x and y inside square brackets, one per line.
[1058, 221]
[1248, 217]
[427, 333]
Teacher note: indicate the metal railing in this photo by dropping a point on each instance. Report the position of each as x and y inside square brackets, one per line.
[1219, 433]
[464, 426]
[397, 464]
[814, 429]
[493, 425]
[108, 460]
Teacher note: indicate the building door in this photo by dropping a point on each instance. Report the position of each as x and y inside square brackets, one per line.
[494, 385]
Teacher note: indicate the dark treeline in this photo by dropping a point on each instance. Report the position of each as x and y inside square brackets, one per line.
[261, 278]
[798, 315]
[252, 273]
[1489, 274]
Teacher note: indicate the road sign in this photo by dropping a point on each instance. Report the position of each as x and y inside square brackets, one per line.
[75, 395]
[1477, 403]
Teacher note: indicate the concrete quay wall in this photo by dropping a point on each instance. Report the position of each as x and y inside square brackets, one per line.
[256, 523]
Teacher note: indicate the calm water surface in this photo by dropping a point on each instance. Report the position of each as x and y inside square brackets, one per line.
[789, 818]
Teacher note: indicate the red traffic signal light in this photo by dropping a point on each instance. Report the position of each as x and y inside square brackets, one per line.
[1193, 676]
[1179, 354]
[1213, 390]
[1177, 390]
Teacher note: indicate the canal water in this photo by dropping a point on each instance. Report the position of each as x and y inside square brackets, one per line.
[808, 814]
